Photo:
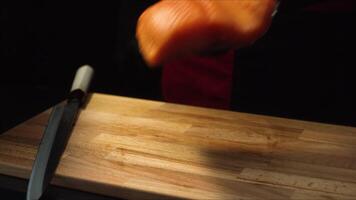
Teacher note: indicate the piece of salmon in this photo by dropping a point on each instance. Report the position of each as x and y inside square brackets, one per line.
[174, 28]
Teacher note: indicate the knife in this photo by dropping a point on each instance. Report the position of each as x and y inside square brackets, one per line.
[57, 133]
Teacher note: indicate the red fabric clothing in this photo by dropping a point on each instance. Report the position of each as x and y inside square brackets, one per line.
[201, 81]
[207, 81]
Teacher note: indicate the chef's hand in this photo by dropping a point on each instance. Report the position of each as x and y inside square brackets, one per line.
[172, 29]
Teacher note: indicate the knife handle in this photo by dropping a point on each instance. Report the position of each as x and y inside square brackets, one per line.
[81, 82]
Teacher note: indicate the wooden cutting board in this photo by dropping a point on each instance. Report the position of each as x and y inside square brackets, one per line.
[139, 149]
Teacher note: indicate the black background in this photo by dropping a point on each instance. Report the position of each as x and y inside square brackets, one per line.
[44, 42]
[303, 68]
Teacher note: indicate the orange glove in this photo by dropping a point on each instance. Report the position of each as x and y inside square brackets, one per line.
[175, 28]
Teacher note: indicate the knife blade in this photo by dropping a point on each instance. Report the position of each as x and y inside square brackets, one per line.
[57, 133]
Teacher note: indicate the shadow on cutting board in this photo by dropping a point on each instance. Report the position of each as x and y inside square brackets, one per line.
[268, 165]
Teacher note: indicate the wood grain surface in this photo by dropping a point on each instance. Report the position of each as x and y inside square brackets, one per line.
[139, 149]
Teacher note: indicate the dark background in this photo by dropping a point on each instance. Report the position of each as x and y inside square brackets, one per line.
[44, 42]
[302, 68]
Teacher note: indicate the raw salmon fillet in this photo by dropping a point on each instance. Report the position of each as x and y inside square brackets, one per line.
[174, 28]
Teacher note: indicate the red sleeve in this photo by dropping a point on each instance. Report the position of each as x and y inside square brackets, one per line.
[201, 81]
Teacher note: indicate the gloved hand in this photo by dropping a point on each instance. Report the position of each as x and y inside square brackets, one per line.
[172, 29]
